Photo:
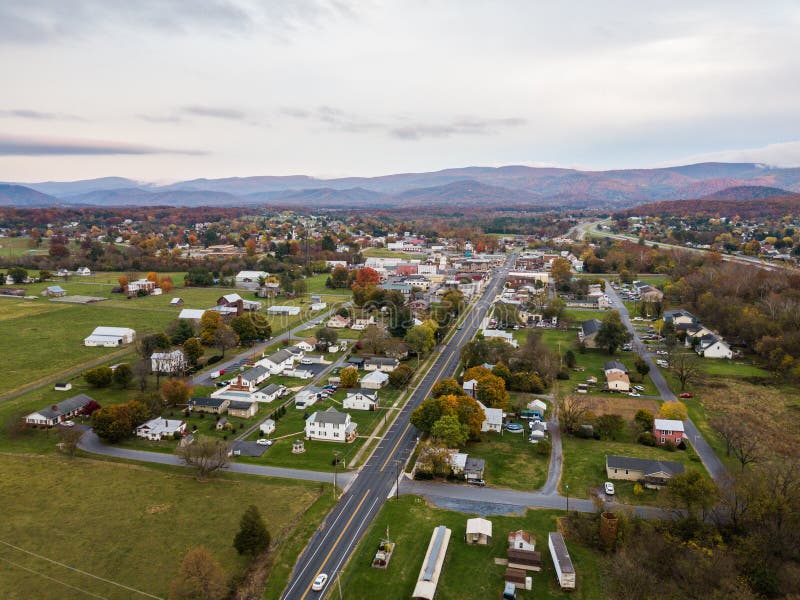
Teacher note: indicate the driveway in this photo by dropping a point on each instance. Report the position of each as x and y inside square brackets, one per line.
[708, 457]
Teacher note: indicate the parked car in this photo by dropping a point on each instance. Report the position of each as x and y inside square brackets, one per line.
[609, 488]
[687, 395]
[634, 393]
[68, 423]
[306, 361]
[319, 582]
[264, 442]
[639, 388]
[478, 482]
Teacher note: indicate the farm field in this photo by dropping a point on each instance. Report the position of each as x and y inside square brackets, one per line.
[128, 523]
[384, 253]
[469, 572]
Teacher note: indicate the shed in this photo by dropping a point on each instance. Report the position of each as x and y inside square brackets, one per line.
[479, 531]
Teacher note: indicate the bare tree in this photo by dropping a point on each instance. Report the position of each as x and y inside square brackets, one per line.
[70, 436]
[225, 338]
[746, 445]
[373, 339]
[205, 454]
[685, 366]
[572, 410]
[142, 370]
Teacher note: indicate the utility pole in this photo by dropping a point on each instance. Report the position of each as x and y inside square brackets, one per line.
[335, 468]
[567, 488]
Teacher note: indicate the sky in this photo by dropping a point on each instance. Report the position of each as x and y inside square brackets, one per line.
[176, 89]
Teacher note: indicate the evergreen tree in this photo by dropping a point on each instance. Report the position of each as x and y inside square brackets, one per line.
[253, 537]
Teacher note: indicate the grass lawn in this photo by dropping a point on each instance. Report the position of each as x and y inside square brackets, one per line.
[585, 471]
[511, 460]
[722, 367]
[12, 247]
[577, 316]
[469, 572]
[128, 523]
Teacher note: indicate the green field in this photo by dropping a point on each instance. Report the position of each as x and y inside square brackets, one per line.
[469, 572]
[12, 247]
[129, 523]
[511, 461]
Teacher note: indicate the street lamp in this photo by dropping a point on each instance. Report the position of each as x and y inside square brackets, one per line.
[397, 478]
[567, 488]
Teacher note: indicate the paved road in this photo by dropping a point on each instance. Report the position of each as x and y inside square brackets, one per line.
[484, 500]
[91, 443]
[332, 544]
[235, 361]
[708, 457]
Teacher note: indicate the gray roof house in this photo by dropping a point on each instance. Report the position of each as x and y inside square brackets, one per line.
[58, 413]
[614, 365]
[654, 473]
[588, 332]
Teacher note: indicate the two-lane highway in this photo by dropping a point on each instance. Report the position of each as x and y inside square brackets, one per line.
[333, 542]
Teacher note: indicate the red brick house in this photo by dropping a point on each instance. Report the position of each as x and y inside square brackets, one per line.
[668, 430]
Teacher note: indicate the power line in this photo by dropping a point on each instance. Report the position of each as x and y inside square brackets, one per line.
[60, 564]
[24, 568]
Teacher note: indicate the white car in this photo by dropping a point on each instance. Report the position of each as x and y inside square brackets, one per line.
[635, 394]
[306, 361]
[639, 388]
[609, 488]
[68, 423]
[264, 442]
[319, 582]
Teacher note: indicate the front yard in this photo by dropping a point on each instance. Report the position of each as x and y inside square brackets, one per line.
[511, 460]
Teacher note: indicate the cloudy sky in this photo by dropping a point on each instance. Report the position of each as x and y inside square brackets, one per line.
[175, 89]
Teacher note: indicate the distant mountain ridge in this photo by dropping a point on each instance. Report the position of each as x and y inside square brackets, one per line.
[512, 185]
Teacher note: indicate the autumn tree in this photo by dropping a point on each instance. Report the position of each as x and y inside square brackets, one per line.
[366, 276]
[572, 412]
[210, 323]
[99, 377]
[193, 350]
[692, 492]
[166, 284]
[373, 339]
[492, 391]
[206, 454]
[447, 387]
[420, 340]
[561, 271]
[675, 410]
[117, 421]
[70, 437]
[349, 377]
[176, 391]
[327, 336]
[252, 538]
[200, 577]
[466, 409]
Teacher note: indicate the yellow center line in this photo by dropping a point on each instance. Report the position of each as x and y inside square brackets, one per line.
[339, 539]
[400, 439]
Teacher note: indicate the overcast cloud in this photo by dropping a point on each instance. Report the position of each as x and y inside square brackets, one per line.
[333, 87]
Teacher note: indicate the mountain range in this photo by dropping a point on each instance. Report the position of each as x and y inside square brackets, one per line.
[470, 186]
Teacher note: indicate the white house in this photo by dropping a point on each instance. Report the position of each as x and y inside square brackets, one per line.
[168, 362]
[249, 279]
[267, 427]
[362, 324]
[374, 380]
[338, 322]
[361, 399]
[471, 388]
[307, 397]
[712, 346]
[254, 376]
[331, 425]
[381, 363]
[83, 271]
[278, 361]
[493, 418]
[503, 335]
[110, 337]
[318, 305]
[268, 393]
[308, 344]
[521, 540]
[58, 413]
[160, 429]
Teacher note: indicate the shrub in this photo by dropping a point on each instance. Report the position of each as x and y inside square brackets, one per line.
[638, 490]
[563, 374]
[682, 445]
[213, 359]
[670, 446]
[646, 438]
[543, 448]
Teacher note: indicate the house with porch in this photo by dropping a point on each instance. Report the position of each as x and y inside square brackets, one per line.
[361, 399]
[331, 425]
[160, 429]
[60, 412]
